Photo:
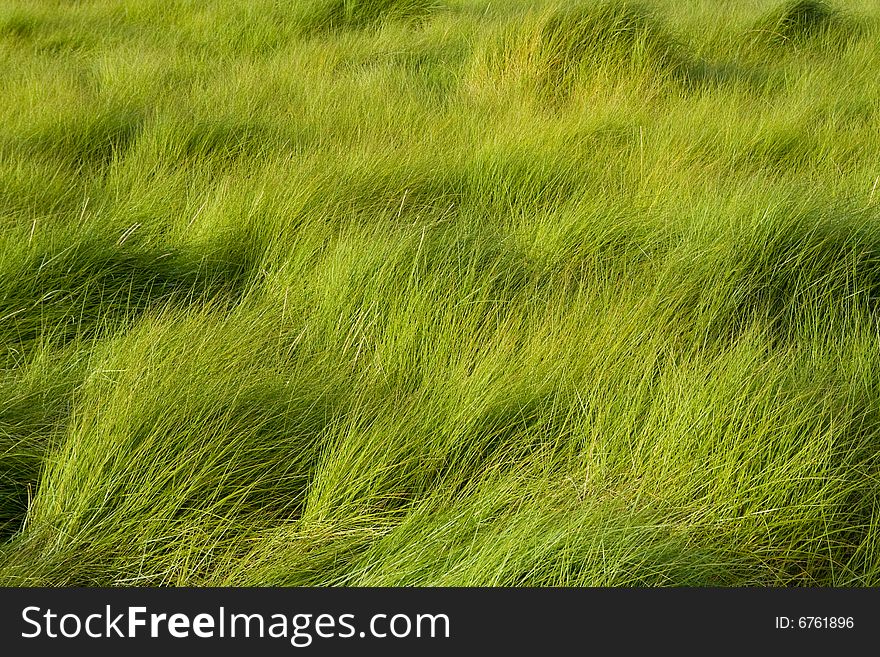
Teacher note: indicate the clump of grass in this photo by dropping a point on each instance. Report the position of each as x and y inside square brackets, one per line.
[801, 22]
[616, 32]
[831, 258]
[87, 139]
[74, 289]
[37, 398]
[354, 14]
[40, 31]
[39, 186]
[559, 47]
[222, 139]
[323, 293]
[271, 427]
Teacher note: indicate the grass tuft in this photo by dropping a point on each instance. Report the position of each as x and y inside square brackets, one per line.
[356, 14]
[801, 22]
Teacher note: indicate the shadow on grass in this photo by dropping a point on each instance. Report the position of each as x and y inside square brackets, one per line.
[334, 15]
[85, 140]
[793, 273]
[805, 23]
[73, 291]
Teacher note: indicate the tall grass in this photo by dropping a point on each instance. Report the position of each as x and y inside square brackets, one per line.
[439, 293]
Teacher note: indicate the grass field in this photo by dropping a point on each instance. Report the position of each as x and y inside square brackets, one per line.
[404, 292]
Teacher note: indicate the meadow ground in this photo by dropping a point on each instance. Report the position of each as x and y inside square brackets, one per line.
[403, 292]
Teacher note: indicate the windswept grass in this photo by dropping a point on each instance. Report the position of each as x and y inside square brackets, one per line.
[797, 22]
[404, 292]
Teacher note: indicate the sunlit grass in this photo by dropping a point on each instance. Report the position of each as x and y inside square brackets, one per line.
[361, 292]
